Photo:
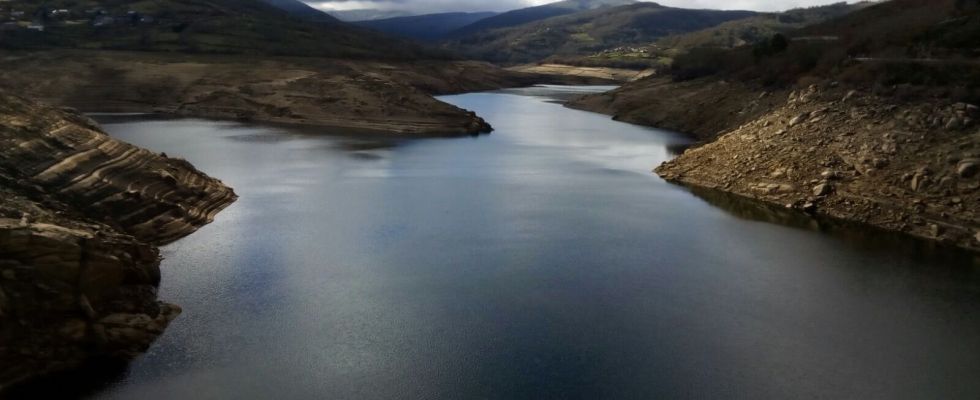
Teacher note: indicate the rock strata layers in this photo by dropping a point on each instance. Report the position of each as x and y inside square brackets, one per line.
[80, 215]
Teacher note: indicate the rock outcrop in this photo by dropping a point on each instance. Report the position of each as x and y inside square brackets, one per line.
[80, 215]
[907, 166]
[887, 158]
[700, 108]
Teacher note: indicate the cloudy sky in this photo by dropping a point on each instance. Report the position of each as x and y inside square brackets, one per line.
[429, 6]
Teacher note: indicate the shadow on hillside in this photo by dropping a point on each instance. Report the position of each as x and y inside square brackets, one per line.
[83, 382]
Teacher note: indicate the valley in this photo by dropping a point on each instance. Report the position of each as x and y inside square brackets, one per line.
[762, 172]
[262, 62]
[584, 32]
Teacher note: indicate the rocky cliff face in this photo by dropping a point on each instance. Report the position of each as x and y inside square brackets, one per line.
[80, 214]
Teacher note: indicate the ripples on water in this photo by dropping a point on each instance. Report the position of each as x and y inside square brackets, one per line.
[542, 261]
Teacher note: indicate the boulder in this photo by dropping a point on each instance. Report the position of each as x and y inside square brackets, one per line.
[830, 174]
[954, 123]
[799, 119]
[919, 182]
[968, 168]
[822, 189]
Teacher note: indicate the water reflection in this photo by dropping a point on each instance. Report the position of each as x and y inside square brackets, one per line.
[88, 380]
[850, 234]
[543, 261]
[676, 149]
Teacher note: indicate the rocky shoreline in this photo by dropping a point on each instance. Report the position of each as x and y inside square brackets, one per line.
[81, 214]
[909, 166]
[605, 73]
[390, 97]
[80, 217]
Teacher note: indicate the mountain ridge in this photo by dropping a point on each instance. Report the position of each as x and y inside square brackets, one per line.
[367, 14]
[202, 26]
[426, 27]
[302, 10]
[530, 14]
[586, 32]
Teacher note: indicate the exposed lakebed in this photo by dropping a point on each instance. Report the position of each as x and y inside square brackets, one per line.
[542, 261]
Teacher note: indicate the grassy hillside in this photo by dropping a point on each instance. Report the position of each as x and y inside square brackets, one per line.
[588, 32]
[367, 14]
[531, 14]
[302, 10]
[759, 28]
[195, 26]
[891, 46]
[428, 27]
[731, 34]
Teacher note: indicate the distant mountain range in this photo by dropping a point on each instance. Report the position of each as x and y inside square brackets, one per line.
[302, 10]
[266, 27]
[368, 14]
[581, 27]
[602, 33]
[731, 34]
[429, 27]
[514, 17]
[579, 32]
[531, 14]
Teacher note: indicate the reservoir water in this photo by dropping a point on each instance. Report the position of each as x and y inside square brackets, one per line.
[544, 260]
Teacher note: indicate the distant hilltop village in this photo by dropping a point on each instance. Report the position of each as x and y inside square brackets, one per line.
[14, 16]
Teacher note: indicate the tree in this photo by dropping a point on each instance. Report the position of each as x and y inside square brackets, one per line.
[775, 45]
[778, 43]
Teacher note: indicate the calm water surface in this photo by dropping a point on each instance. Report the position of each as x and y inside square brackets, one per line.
[542, 261]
